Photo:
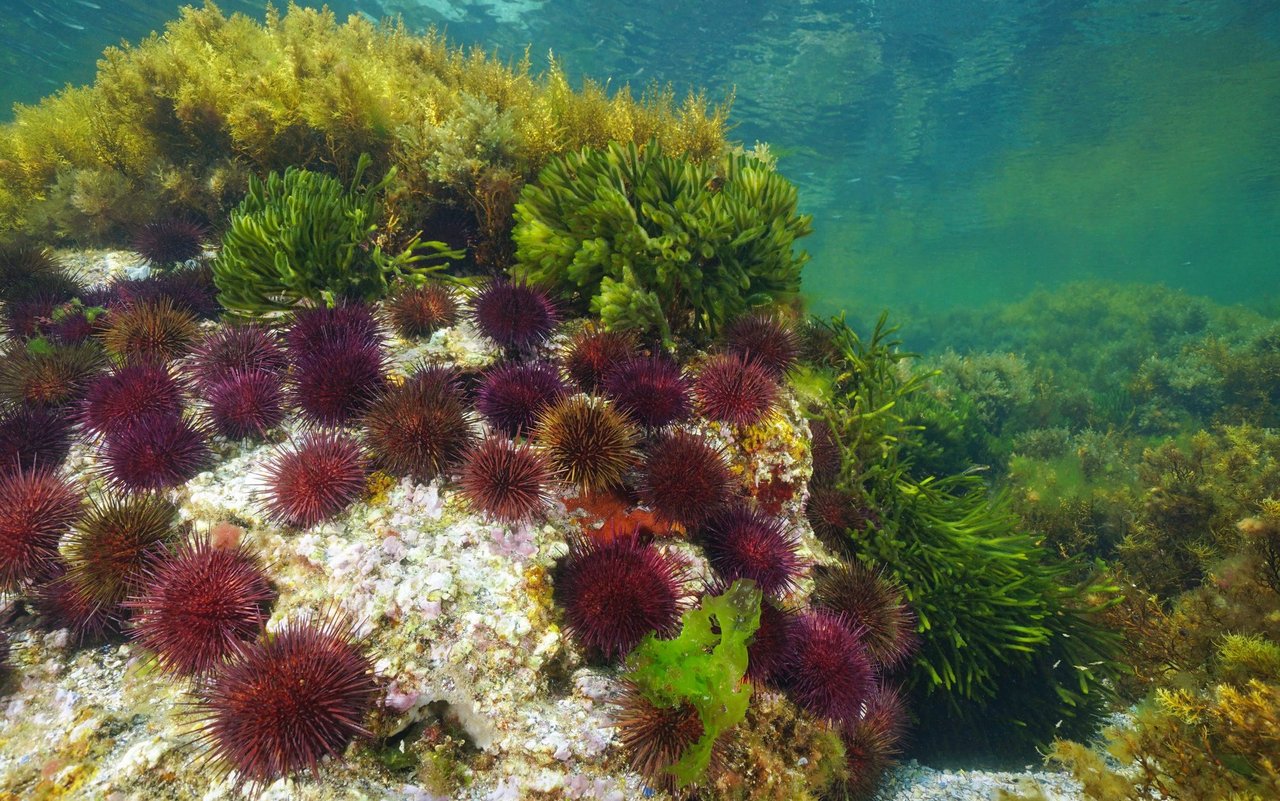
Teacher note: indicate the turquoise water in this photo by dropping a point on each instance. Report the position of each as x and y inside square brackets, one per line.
[952, 152]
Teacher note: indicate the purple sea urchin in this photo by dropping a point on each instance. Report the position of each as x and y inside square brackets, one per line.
[871, 743]
[315, 479]
[592, 352]
[742, 543]
[421, 428]
[651, 390]
[826, 453]
[827, 672]
[874, 604]
[129, 393]
[237, 347]
[505, 480]
[313, 329]
[730, 390]
[159, 451]
[764, 339]
[616, 592]
[60, 604]
[770, 647]
[833, 514]
[245, 403]
[655, 737]
[516, 316]
[33, 437]
[512, 395]
[421, 311]
[339, 380]
[166, 242]
[287, 701]
[198, 604]
[683, 479]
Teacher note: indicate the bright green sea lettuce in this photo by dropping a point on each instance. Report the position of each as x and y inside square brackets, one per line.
[703, 667]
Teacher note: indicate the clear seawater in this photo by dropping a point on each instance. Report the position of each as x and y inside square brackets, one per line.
[952, 152]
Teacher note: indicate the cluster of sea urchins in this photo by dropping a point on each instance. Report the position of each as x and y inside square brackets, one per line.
[598, 416]
[125, 369]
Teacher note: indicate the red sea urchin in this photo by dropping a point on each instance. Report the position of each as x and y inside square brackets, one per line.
[421, 428]
[315, 479]
[166, 242]
[764, 339]
[741, 542]
[198, 604]
[827, 671]
[245, 403]
[36, 508]
[651, 390]
[505, 480]
[512, 395]
[592, 352]
[158, 452]
[870, 601]
[129, 393]
[684, 479]
[731, 390]
[616, 592]
[421, 311]
[516, 316]
[589, 441]
[285, 702]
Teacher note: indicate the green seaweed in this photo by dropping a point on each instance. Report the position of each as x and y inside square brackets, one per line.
[302, 236]
[703, 667]
[661, 243]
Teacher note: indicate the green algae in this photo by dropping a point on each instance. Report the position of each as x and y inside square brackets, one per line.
[703, 667]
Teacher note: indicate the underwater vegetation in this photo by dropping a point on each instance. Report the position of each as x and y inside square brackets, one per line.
[664, 245]
[779, 550]
[302, 236]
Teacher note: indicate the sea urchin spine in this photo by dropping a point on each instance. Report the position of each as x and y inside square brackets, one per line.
[315, 479]
[198, 604]
[287, 701]
[506, 480]
[615, 593]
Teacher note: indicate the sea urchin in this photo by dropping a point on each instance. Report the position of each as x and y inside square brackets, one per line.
[684, 479]
[314, 479]
[198, 604]
[616, 592]
[295, 696]
[506, 480]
